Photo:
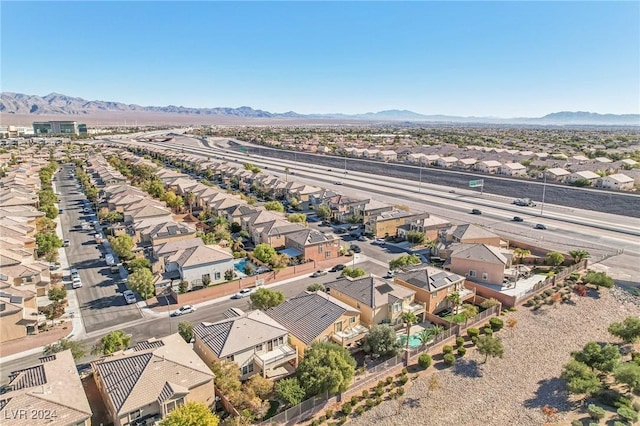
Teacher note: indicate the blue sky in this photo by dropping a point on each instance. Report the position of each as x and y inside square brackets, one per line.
[504, 59]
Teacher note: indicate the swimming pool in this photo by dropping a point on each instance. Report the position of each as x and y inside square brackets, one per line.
[414, 340]
[240, 265]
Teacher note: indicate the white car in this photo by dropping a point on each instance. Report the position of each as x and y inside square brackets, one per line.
[74, 272]
[243, 293]
[76, 282]
[186, 309]
[129, 296]
[379, 241]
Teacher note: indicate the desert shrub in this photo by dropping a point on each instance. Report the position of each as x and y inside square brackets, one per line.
[393, 395]
[474, 339]
[619, 424]
[370, 403]
[496, 324]
[322, 419]
[488, 331]
[400, 391]
[636, 406]
[354, 400]
[379, 391]
[447, 349]
[346, 408]
[461, 351]
[380, 384]
[404, 378]
[628, 414]
[405, 371]
[379, 399]
[549, 292]
[316, 422]
[635, 357]
[609, 397]
[389, 380]
[581, 290]
[622, 402]
[459, 341]
[424, 361]
[365, 393]
[329, 414]
[359, 411]
[596, 412]
[449, 359]
[473, 332]
[576, 423]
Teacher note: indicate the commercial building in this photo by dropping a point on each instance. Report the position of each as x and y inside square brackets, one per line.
[59, 128]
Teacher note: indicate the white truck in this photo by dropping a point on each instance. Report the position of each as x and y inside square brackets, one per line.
[109, 259]
[524, 202]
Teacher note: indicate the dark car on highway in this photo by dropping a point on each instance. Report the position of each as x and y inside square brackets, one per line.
[518, 219]
[540, 226]
[476, 211]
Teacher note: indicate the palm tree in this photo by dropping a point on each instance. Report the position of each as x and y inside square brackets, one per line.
[454, 299]
[190, 198]
[408, 318]
[578, 255]
[237, 244]
[286, 175]
[521, 253]
[424, 336]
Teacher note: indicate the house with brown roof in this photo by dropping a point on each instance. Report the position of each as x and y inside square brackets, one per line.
[379, 301]
[512, 169]
[426, 224]
[253, 340]
[387, 223]
[586, 175]
[317, 317]
[480, 263]
[48, 393]
[557, 174]
[18, 312]
[432, 286]
[147, 381]
[310, 244]
[617, 181]
[488, 166]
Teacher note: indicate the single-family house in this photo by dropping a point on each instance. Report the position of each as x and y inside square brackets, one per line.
[387, 223]
[466, 163]
[387, 155]
[557, 174]
[257, 343]
[585, 175]
[200, 265]
[432, 286]
[18, 313]
[317, 317]
[49, 392]
[512, 169]
[426, 224]
[379, 301]
[488, 166]
[446, 162]
[312, 245]
[617, 181]
[144, 383]
[481, 263]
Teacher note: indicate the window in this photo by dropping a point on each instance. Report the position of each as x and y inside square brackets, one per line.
[396, 307]
[217, 275]
[230, 358]
[472, 273]
[485, 276]
[135, 415]
[206, 277]
[259, 347]
[280, 340]
[247, 369]
[338, 327]
[352, 320]
[327, 254]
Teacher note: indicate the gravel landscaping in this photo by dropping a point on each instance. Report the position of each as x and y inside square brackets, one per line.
[511, 390]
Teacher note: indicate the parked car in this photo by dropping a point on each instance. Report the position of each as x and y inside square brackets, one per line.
[337, 268]
[355, 248]
[74, 271]
[76, 282]
[338, 182]
[362, 238]
[243, 293]
[60, 211]
[518, 219]
[380, 241]
[390, 274]
[129, 296]
[67, 243]
[540, 226]
[186, 309]
[476, 211]
[318, 274]
[325, 223]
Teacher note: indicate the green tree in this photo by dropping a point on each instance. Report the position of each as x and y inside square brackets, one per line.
[627, 330]
[297, 218]
[122, 246]
[490, 346]
[580, 378]
[191, 414]
[381, 341]
[455, 300]
[139, 263]
[275, 206]
[78, 350]
[408, 318]
[263, 298]
[555, 258]
[264, 253]
[578, 255]
[290, 391]
[316, 287]
[628, 374]
[415, 237]
[469, 311]
[323, 212]
[47, 242]
[403, 261]
[47, 197]
[44, 224]
[53, 311]
[602, 358]
[156, 189]
[521, 253]
[50, 211]
[112, 342]
[141, 281]
[353, 272]
[326, 367]
[175, 202]
[185, 329]
[190, 199]
[57, 294]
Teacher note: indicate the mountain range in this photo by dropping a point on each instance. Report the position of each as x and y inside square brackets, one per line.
[63, 105]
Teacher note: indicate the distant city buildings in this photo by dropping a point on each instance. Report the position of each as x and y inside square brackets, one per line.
[59, 128]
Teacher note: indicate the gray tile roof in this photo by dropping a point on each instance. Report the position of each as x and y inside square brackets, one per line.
[462, 232]
[27, 377]
[371, 291]
[307, 315]
[239, 333]
[429, 278]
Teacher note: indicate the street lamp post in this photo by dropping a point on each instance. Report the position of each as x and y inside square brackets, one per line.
[345, 165]
[544, 190]
[420, 185]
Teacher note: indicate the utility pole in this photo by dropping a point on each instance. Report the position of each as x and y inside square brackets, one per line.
[420, 185]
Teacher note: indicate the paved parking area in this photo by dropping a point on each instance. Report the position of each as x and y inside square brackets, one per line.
[100, 297]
